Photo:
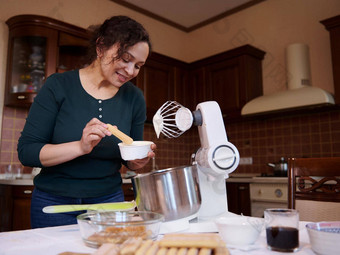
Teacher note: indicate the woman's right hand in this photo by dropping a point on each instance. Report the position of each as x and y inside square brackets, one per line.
[54, 154]
[93, 133]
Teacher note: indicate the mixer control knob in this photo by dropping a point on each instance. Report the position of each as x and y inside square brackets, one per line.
[224, 157]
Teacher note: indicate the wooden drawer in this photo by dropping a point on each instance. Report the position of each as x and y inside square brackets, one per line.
[22, 191]
[15, 207]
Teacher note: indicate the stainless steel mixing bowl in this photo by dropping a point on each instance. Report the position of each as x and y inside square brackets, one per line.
[173, 192]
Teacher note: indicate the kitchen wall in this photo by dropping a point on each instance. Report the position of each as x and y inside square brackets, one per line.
[270, 26]
[265, 140]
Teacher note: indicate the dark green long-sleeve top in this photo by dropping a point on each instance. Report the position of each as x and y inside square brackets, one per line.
[59, 114]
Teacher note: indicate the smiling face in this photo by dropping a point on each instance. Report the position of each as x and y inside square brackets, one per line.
[119, 71]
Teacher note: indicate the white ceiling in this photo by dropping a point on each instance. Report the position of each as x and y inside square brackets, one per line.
[187, 15]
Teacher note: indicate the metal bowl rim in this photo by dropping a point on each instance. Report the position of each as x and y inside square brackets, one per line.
[160, 171]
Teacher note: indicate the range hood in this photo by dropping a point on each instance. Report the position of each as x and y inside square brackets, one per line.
[299, 94]
[293, 98]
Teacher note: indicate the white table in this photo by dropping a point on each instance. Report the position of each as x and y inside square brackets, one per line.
[54, 240]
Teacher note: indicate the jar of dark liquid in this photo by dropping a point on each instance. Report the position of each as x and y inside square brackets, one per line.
[282, 229]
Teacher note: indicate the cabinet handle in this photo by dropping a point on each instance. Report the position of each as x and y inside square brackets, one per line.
[278, 193]
[21, 97]
[27, 191]
[241, 188]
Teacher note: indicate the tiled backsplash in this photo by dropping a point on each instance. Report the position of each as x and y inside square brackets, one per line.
[303, 135]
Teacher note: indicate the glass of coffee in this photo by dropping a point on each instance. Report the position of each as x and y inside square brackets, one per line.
[282, 229]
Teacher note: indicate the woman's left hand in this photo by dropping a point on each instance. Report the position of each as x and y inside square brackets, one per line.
[140, 163]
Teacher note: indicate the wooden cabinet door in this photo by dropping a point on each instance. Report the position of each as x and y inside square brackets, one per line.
[156, 79]
[5, 208]
[182, 87]
[15, 207]
[223, 86]
[22, 207]
[231, 78]
[198, 88]
[238, 195]
[333, 26]
[53, 45]
[129, 193]
[48, 37]
[72, 52]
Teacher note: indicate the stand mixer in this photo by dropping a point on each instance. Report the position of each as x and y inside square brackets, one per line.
[215, 159]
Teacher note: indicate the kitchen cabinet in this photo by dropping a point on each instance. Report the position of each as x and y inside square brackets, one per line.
[231, 78]
[39, 46]
[15, 207]
[333, 26]
[161, 79]
[238, 195]
[197, 85]
[129, 194]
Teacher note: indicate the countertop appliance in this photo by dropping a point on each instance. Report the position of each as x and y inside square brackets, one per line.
[215, 159]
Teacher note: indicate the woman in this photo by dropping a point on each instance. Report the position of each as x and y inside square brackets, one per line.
[66, 133]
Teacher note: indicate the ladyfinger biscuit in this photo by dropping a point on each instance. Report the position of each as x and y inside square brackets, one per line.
[153, 249]
[172, 251]
[106, 249]
[162, 251]
[130, 246]
[119, 134]
[205, 251]
[193, 251]
[73, 253]
[221, 250]
[201, 240]
[182, 251]
[144, 247]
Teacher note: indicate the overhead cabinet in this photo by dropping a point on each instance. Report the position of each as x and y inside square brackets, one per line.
[39, 46]
[333, 26]
[161, 79]
[231, 78]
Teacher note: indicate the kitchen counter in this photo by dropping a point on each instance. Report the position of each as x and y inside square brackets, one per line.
[27, 180]
[256, 179]
[55, 240]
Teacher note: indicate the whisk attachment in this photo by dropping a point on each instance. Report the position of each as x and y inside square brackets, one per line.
[172, 119]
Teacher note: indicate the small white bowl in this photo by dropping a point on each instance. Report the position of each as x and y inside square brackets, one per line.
[240, 230]
[136, 150]
[324, 237]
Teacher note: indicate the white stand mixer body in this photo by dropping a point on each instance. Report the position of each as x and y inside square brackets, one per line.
[216, 159]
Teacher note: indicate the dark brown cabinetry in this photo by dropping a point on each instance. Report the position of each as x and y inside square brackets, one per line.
[15, 207]
[238, 195]
[333, 26]
[39, 46]
[129, 194]
[231, 78]
[161, 79]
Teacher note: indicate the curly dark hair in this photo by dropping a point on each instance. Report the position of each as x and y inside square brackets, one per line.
[117, 29]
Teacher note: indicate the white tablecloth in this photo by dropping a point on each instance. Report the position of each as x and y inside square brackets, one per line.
[52, 241]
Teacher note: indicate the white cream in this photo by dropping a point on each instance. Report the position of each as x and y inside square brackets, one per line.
[157, 123]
